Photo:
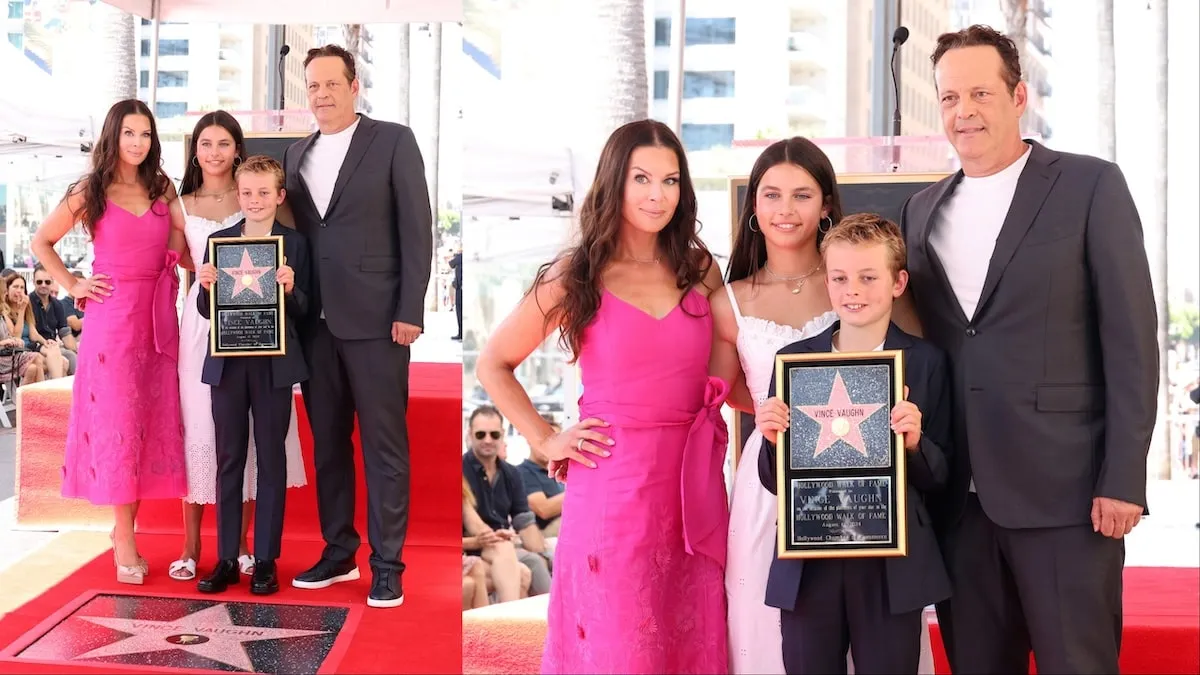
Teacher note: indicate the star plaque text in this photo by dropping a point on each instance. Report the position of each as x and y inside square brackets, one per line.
[247, 302]
[839, 466]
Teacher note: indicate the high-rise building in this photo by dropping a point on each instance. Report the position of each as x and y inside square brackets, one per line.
[220, 66]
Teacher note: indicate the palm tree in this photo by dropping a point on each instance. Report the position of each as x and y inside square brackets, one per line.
[619, 90]
[1016, 16]
[1161, 450]
[116, 62]
[404, 81]
[1107, 87]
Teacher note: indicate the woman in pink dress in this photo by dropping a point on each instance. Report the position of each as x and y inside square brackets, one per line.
[124, 437]
[638, 570]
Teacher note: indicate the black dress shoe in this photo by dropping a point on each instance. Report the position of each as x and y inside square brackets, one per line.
[225, 573]
[386, 590]
[264, 581]
[325, 574]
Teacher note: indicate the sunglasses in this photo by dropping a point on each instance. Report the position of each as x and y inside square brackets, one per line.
[480, 435]
[43, 282]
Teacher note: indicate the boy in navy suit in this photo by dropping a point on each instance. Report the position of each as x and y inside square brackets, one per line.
[262, 384]
[871, 606]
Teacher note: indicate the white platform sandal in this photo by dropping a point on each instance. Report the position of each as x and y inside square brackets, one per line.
[246, 564]
[182, 570]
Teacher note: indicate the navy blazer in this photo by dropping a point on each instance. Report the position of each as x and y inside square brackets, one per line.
[290, 368]
[920, 578]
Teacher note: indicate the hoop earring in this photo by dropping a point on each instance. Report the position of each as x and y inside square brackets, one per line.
[823, 227]
[195, 161]
[237, 160]
[753, 223]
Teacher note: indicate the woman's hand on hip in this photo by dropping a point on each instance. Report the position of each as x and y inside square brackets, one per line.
[91, 288]
[572, 443]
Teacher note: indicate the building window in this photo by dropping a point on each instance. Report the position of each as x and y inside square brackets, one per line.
[167, 48]
[16, 9]
[706, 136]
[144, 79]
[17, 40]
[714, 84]
[662, 81]
[165, 109]
[697, 32]
[172, 78]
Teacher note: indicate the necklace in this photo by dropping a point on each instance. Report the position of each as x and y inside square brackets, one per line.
[653, 261]
[801, 278]
[219, 196]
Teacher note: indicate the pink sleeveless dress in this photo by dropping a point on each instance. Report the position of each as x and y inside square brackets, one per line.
[125, 438]
[639, 565]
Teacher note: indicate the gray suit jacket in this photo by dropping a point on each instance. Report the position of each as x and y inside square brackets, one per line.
[1056, 375]
[373, 248]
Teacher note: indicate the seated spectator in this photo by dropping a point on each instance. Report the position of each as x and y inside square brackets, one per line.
[16, 363]
[74, 316]
[496, 556]
[500, 495]
[545, 494]
[50, 317]
[19, 322]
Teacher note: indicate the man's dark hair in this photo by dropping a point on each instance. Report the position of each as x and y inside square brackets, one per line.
[983, 36]
[334, 50]
[484, 410]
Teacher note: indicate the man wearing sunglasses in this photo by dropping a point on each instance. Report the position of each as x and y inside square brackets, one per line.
[50, 316]
[500, 494]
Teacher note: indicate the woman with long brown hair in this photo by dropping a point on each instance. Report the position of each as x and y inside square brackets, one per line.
[638, 566]
[15, 361]
[18, 314]
[124, 437]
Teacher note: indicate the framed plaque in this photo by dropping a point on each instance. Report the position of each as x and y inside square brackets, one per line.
[246, 302]
[839, 467]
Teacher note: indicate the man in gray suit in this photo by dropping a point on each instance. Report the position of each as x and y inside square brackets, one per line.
[1028, 268]
[357, 189]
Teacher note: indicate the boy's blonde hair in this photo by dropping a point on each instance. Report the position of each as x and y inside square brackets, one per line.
[868, 229]
[260, 164]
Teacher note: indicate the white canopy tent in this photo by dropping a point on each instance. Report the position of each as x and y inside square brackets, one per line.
[283, 11]
[518, 177]
[295, 11]
[34, 118]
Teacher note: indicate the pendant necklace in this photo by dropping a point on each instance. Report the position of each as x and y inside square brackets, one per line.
[799, 279]
[218, 196]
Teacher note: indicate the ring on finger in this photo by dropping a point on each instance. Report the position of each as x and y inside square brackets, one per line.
[579, 445]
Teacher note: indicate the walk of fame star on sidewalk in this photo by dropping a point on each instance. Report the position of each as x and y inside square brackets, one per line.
[840, 419]
[171, 632]
[210, 633]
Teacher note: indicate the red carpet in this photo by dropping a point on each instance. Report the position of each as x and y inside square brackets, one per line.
[434, 423]
[1161, 636]
[422, 636]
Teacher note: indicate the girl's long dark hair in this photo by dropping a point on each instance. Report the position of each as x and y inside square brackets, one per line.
[193, 177]
[600, 222]
[749, 246]
[106, 156]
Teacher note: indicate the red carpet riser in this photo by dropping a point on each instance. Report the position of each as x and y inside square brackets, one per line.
[424, 635]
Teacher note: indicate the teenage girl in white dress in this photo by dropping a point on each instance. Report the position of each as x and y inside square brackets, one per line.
[774, 296]
[210, 203]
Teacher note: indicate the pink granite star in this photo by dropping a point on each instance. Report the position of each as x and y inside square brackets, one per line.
[246, 277]
[840, 419]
